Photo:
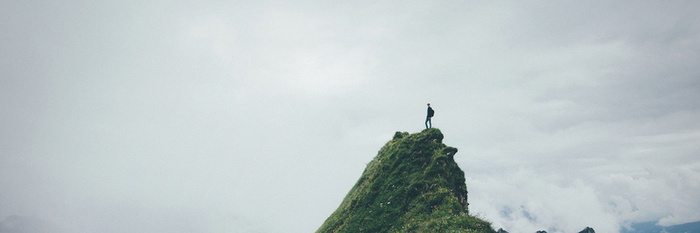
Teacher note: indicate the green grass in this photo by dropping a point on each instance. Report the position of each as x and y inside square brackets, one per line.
[412, 185]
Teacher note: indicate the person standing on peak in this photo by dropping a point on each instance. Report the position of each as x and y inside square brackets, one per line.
[428, 118]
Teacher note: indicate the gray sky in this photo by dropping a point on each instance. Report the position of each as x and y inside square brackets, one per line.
[259, 116]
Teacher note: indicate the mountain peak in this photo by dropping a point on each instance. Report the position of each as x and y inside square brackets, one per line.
[587, 230]
[412, 185]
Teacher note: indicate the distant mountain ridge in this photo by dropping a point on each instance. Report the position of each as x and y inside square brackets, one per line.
[651, 227]
[585, 230]
[412, 185]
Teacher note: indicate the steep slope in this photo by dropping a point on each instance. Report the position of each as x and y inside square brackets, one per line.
[412, 185]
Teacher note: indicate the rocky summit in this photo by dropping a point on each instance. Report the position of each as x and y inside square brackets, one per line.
[412, 185]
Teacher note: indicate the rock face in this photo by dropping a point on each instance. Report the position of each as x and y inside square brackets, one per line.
[412, 185]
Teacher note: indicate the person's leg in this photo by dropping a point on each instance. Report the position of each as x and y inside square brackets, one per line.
[430, 121]
[426, 122]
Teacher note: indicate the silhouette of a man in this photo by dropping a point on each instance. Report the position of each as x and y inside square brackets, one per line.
[428, 118]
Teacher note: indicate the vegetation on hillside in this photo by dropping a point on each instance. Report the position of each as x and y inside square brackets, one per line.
[412, 185]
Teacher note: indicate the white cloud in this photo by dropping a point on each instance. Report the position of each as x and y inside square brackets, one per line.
[287, 51]
[527, 201]
[267, 112]
[654, 193]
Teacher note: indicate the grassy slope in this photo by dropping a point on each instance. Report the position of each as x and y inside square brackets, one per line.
[412, 185]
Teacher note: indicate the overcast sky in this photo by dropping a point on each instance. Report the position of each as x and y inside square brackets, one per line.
[259, 116]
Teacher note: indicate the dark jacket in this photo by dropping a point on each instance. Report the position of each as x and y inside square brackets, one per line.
[430, 112]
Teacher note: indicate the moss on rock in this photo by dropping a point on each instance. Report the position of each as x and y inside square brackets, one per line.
[412, 185]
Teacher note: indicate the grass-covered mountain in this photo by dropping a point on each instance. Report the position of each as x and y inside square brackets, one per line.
[412, 185]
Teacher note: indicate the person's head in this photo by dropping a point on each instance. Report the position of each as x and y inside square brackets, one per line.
[428, 104]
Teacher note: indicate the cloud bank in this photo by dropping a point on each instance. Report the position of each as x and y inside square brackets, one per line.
[244, 116]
